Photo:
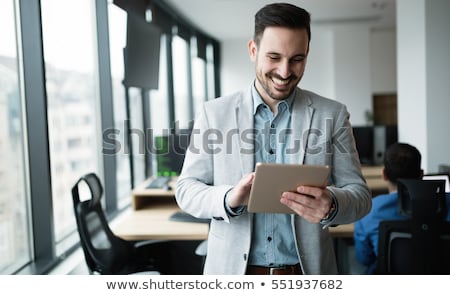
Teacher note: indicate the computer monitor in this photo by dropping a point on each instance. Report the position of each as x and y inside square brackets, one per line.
[364, 139]
[442, 176]
[384, 136]
[372, 142]
[170, 150]
[444, 169]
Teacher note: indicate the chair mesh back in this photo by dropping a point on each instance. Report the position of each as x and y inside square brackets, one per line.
[420, 244]
[96, 232]
[104, 252]
[95, 187]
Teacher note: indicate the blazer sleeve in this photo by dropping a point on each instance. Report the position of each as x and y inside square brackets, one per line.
[196, 192]
[349, 186]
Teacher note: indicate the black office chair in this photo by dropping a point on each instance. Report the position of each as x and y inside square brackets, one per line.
[106, 253]
[421, 244]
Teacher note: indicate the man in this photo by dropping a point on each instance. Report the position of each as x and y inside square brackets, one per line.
[272, 121]
[401, 161]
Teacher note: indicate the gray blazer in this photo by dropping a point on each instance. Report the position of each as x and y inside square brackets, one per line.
[222, 151]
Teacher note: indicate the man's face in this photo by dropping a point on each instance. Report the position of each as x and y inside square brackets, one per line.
[280, 61]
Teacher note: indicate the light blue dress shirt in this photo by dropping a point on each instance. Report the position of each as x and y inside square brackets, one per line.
[273, 242]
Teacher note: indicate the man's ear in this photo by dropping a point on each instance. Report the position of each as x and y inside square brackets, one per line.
[252, 49]
[383, 173]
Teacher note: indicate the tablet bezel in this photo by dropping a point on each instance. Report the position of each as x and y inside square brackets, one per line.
[271, 180]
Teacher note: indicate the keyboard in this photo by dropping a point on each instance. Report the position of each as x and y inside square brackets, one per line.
[159, 182]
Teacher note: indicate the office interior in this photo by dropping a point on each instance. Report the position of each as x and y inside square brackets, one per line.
[77, 97]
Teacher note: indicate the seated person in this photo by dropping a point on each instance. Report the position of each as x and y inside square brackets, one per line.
[401, 161]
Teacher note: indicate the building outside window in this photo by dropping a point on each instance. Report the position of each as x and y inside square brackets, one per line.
[181, 82]
[72, 104]
[15, 249]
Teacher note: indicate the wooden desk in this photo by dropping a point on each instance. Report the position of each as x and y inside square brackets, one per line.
[342, 231]
[150, 219]
[143, 197]
[152, 223]
[374, 179]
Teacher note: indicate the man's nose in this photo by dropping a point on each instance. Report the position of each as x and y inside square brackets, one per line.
[284, 69]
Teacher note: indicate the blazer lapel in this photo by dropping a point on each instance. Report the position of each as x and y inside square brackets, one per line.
[302, 113]
[246, 132]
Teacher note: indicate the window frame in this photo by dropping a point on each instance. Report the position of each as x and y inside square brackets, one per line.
[37, 153]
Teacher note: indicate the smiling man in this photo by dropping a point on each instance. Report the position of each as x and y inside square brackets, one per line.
[273, 121]
[280, 58]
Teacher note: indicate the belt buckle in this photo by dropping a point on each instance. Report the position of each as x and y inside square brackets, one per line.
[273, 269]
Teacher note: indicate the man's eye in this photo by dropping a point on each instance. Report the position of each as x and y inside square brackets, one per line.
[298, 59]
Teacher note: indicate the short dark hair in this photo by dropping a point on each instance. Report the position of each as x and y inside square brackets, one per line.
[281, 15]
[402, 160]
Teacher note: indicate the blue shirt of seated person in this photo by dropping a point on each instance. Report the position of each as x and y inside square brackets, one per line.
[401, 161]
[384, 207]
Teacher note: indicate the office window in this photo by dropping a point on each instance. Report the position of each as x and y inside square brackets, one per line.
[137, 134]
[181, 81]
[117, 38]
[159, 98]
[15, 250]
[68, 29]
[210, 72]
[159, 105]
[198, 77]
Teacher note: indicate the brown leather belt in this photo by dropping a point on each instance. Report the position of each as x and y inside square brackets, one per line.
[281, 270]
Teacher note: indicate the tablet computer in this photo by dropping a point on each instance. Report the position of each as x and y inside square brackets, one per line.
[271, 180]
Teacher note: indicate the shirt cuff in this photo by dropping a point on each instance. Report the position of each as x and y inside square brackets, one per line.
[331, 216]
[232, 212]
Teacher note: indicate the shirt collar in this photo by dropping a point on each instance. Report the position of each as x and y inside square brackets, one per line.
[257, 100]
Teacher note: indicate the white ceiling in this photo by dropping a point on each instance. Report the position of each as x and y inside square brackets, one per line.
[230, 19]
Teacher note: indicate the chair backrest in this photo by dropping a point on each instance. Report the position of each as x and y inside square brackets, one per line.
[105, 253]
[420, 244]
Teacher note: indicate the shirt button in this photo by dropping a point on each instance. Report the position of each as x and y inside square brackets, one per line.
[271, 152]
[269, 239]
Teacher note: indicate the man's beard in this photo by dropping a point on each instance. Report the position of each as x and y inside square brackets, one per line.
[270, 87]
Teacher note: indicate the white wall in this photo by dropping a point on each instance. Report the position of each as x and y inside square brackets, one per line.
[383, 60]
[411, 101]
[438, 83]
[237, 70]
[352, 70]
[338, 67]
[423, 67]
[320, 72]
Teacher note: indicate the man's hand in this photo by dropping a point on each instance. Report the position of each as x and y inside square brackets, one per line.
[312, 203]
[240, 193]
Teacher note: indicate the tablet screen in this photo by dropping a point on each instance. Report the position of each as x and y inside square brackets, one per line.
[271, 180]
